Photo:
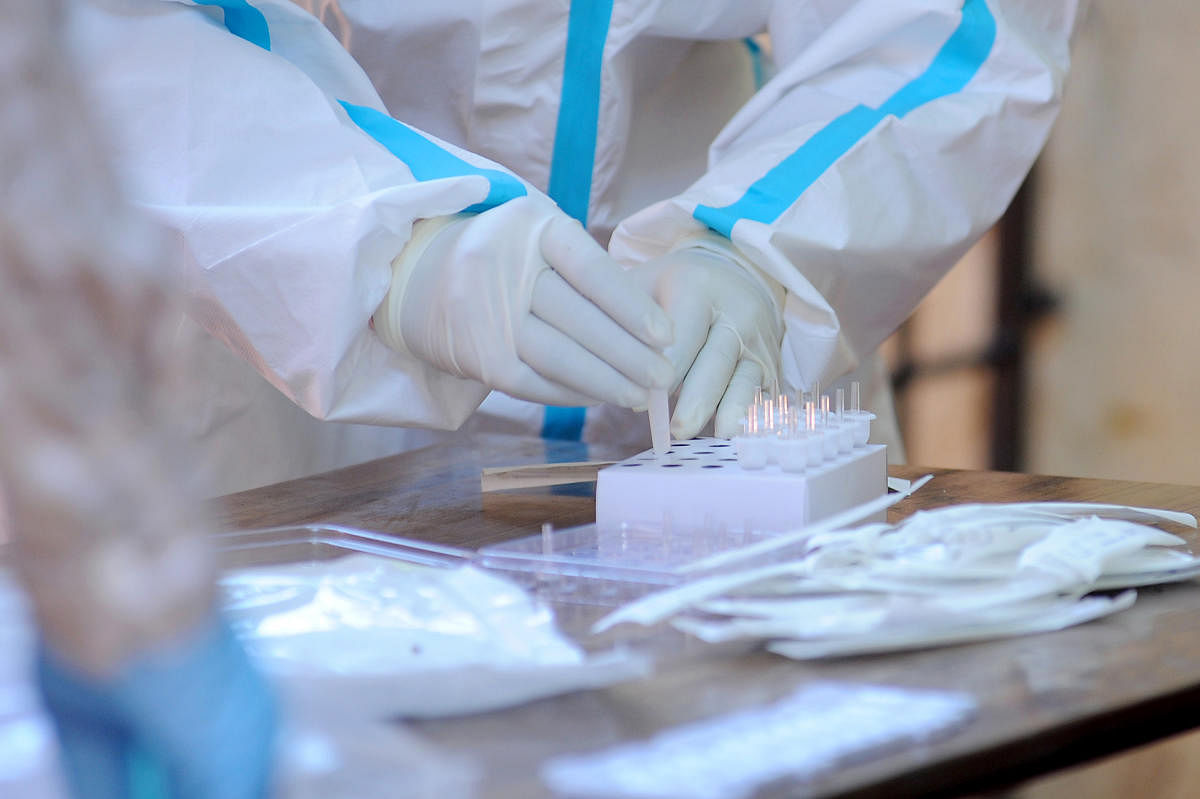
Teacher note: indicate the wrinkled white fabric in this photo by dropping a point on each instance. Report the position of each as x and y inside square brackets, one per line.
[289, 215]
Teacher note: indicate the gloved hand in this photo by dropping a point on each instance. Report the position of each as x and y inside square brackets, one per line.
[728, 333]
[522, 299]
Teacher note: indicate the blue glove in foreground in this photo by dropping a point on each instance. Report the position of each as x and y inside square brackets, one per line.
[196, 721]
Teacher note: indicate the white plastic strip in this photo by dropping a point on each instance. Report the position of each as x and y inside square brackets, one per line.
[837, 521]
[1130, 513]
[804, 735]
[1069, 615]
[889, 616]
[658, 606]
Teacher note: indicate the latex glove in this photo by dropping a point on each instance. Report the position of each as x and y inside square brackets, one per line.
[728, 333]
[522, 299]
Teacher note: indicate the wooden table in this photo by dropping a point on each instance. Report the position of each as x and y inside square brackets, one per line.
[1046, 701]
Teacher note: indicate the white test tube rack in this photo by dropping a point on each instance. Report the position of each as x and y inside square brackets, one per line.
[795, 462]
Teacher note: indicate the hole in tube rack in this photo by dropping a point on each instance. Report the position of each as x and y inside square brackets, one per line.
[705, 452]
[672, 465]
[681, 443]
[712, 466]
[689, 459]
[714, 446]
[630, 464]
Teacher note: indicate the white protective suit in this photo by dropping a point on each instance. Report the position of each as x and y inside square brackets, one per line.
[889, 136]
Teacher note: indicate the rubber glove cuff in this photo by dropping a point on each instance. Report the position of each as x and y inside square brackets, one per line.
[386, 319]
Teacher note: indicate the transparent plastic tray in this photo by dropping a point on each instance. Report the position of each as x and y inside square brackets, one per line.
[597, 565]
[313, 543]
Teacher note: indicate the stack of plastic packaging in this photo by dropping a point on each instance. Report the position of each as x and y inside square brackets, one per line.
[961, 573]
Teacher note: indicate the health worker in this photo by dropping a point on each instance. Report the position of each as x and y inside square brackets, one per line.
[378, 206]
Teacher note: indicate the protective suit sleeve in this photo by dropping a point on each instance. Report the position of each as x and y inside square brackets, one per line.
[248, 130]
[893, 135]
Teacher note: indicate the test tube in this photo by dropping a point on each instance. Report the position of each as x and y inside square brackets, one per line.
[751, 446]
[859, 419]
[812, 435]
[792, 444]
[845, 430]
[829, 446]
[751, 451]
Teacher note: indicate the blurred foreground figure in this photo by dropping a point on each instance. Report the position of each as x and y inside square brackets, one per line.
[150, 694]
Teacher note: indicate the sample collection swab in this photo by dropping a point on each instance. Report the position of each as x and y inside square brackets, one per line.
[660, 421]
[802, 435]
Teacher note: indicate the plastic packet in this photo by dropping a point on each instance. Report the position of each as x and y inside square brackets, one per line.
[365, 615]
[376, 637]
